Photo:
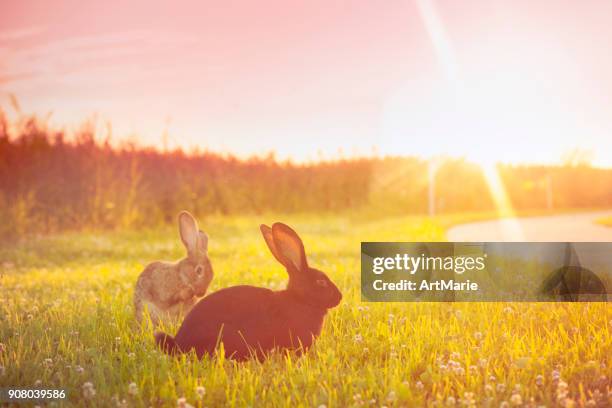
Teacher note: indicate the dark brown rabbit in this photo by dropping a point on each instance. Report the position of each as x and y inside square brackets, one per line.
[251, 321]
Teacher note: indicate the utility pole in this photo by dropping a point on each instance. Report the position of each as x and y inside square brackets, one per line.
[549, 192]
[432, 168]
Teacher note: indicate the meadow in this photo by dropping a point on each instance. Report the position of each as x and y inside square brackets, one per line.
[66, 321]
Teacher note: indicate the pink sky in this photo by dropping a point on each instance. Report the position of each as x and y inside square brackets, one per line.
[517, 81]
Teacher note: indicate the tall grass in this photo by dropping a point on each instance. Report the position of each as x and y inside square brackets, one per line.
[54, 180]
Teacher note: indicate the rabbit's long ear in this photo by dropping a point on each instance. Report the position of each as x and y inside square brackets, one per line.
[202, 241]
[188, 228]
[290, 247]
[267, 235]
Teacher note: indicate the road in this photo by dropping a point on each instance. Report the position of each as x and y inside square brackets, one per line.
[579, 227]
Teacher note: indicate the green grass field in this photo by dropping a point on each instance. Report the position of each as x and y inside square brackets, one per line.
[66, 319]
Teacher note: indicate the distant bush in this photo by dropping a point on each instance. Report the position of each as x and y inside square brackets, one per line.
[50, 181]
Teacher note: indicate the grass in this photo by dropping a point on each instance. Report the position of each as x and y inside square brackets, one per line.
[66, 319]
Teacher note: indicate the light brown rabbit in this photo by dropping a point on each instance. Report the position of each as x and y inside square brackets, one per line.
[168, 289]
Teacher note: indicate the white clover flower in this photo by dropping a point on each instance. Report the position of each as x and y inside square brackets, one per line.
[88, 390]
[133, 389]
[182, 403]
[482, 362]
[391, 397]
[501, 387]
[539, 380]
[79, 369]
[516, 400]
[419, 385]
[358, 338]
[47, 362]
[478, 336]
[201, 391]
[451, 402]
[37, 383]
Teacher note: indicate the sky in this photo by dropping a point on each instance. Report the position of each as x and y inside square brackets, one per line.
[516, 81]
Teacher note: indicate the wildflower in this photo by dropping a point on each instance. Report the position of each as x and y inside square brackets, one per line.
[358, 338]
[37, 383]
[504, 404]
[118, 340]
[79, 369]
[501, 387]
[201, 391]
[391, 397]
[366, 350]
[516, 400]
[488, 389]
[131, 356]
[539, 380]
[478, 336]
[562, 393]
[419, 385]
[492, 378]
[47, 362]
[556, 376]
[29, 316]
[508, 310]
[455, 355]
[88, 390]
[473, 369]
[357, 397]
[443, 367]
[182, 403]
[393, 354]
[468, 399]
[450, 401]
[133, 389]
[460, 371]
[482, 362]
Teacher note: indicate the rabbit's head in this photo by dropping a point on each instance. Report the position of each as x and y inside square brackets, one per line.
[195, 270]
[310, 285]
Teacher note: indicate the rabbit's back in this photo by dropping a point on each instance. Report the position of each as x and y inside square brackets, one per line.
[246, 319]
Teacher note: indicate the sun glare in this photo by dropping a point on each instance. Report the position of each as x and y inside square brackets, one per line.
[443, 49]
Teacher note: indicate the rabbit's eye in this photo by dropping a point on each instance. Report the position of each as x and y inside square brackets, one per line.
[322, 282]
[199, 270]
